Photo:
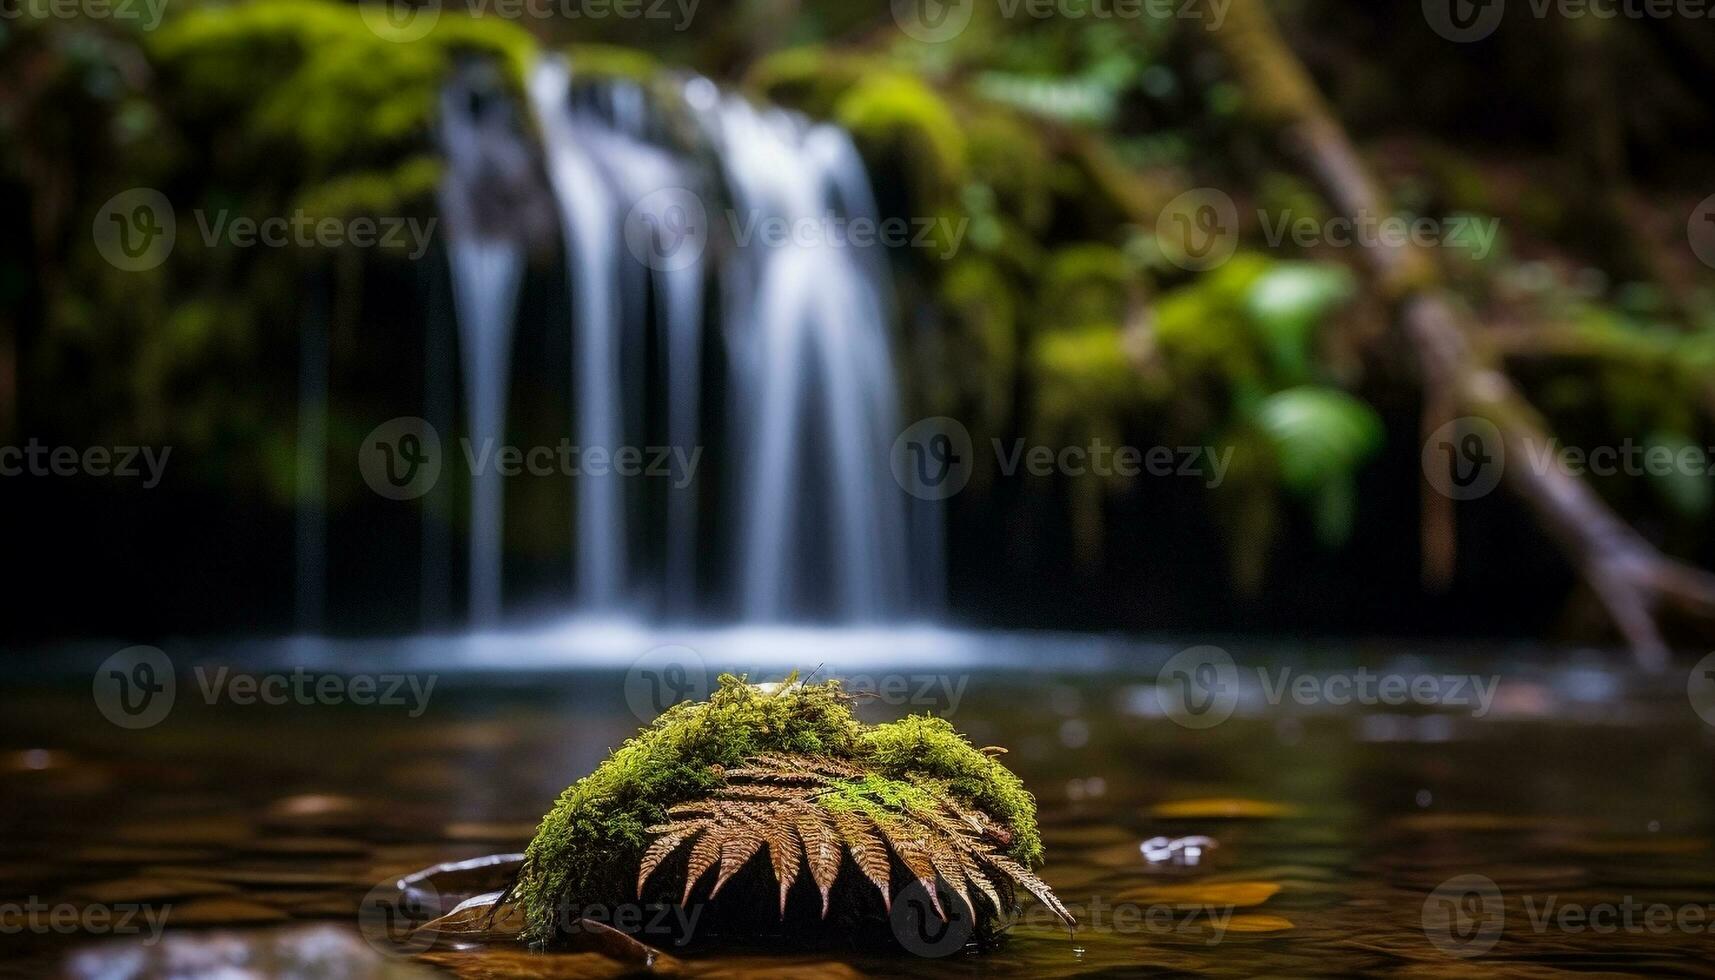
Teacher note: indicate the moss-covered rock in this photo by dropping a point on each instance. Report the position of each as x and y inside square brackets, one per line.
[588, 848]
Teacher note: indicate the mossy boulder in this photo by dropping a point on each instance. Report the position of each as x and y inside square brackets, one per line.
[588, 849]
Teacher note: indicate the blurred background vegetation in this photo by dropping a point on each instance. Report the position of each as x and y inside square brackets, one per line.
[1059, 319]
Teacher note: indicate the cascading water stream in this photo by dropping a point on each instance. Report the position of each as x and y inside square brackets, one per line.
[811, 521]
[487, 272]
[812, 370]
[590, 215]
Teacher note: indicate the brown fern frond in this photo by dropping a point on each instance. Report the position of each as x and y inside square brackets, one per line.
[785, 853]
[738, 846]
[821, 849]
[679, 828]
[952, 871]
[914, 854]
[785, 803]
[868, 852]
[1034, 885]
[704, 853]
[974, 872]
[664, 845]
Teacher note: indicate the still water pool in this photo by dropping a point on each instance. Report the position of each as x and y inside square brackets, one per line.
[1292, 812]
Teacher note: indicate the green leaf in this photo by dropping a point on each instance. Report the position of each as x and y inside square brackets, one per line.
[1287, 305]
[1321, 436]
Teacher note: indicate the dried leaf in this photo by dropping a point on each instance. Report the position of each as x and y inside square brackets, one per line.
[778, 801]
[1035, 886]
[657, 853]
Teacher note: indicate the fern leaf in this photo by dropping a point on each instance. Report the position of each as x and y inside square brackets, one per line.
[786, 854]
[915, 857]
[704, 853]
[974, 873]
[739, 845]
[657, 853]
[952, 871]
[1034, 885]
[867, 850]
[821, 849]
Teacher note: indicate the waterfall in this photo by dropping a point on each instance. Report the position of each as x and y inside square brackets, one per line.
[486, 276]
[487, 272]
[812, 371]
[809, 520]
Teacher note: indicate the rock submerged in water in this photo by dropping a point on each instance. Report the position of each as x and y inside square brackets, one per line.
[665, 837]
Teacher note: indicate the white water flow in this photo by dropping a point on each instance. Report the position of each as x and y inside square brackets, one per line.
[486, 275]
[811, 522]
[487, 272]
[812, 373]
[590, 215]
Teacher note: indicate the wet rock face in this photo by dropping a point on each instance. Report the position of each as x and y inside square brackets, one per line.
[495, 186]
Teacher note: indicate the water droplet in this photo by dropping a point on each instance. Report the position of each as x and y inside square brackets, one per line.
[1424, 798]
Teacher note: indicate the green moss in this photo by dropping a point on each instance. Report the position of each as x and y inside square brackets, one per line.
[1085, 284]
[613, 61]
[924, 746]
[588, 847]
[810, 78]
[340, 94]
[896, 115]
[1009, 158]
